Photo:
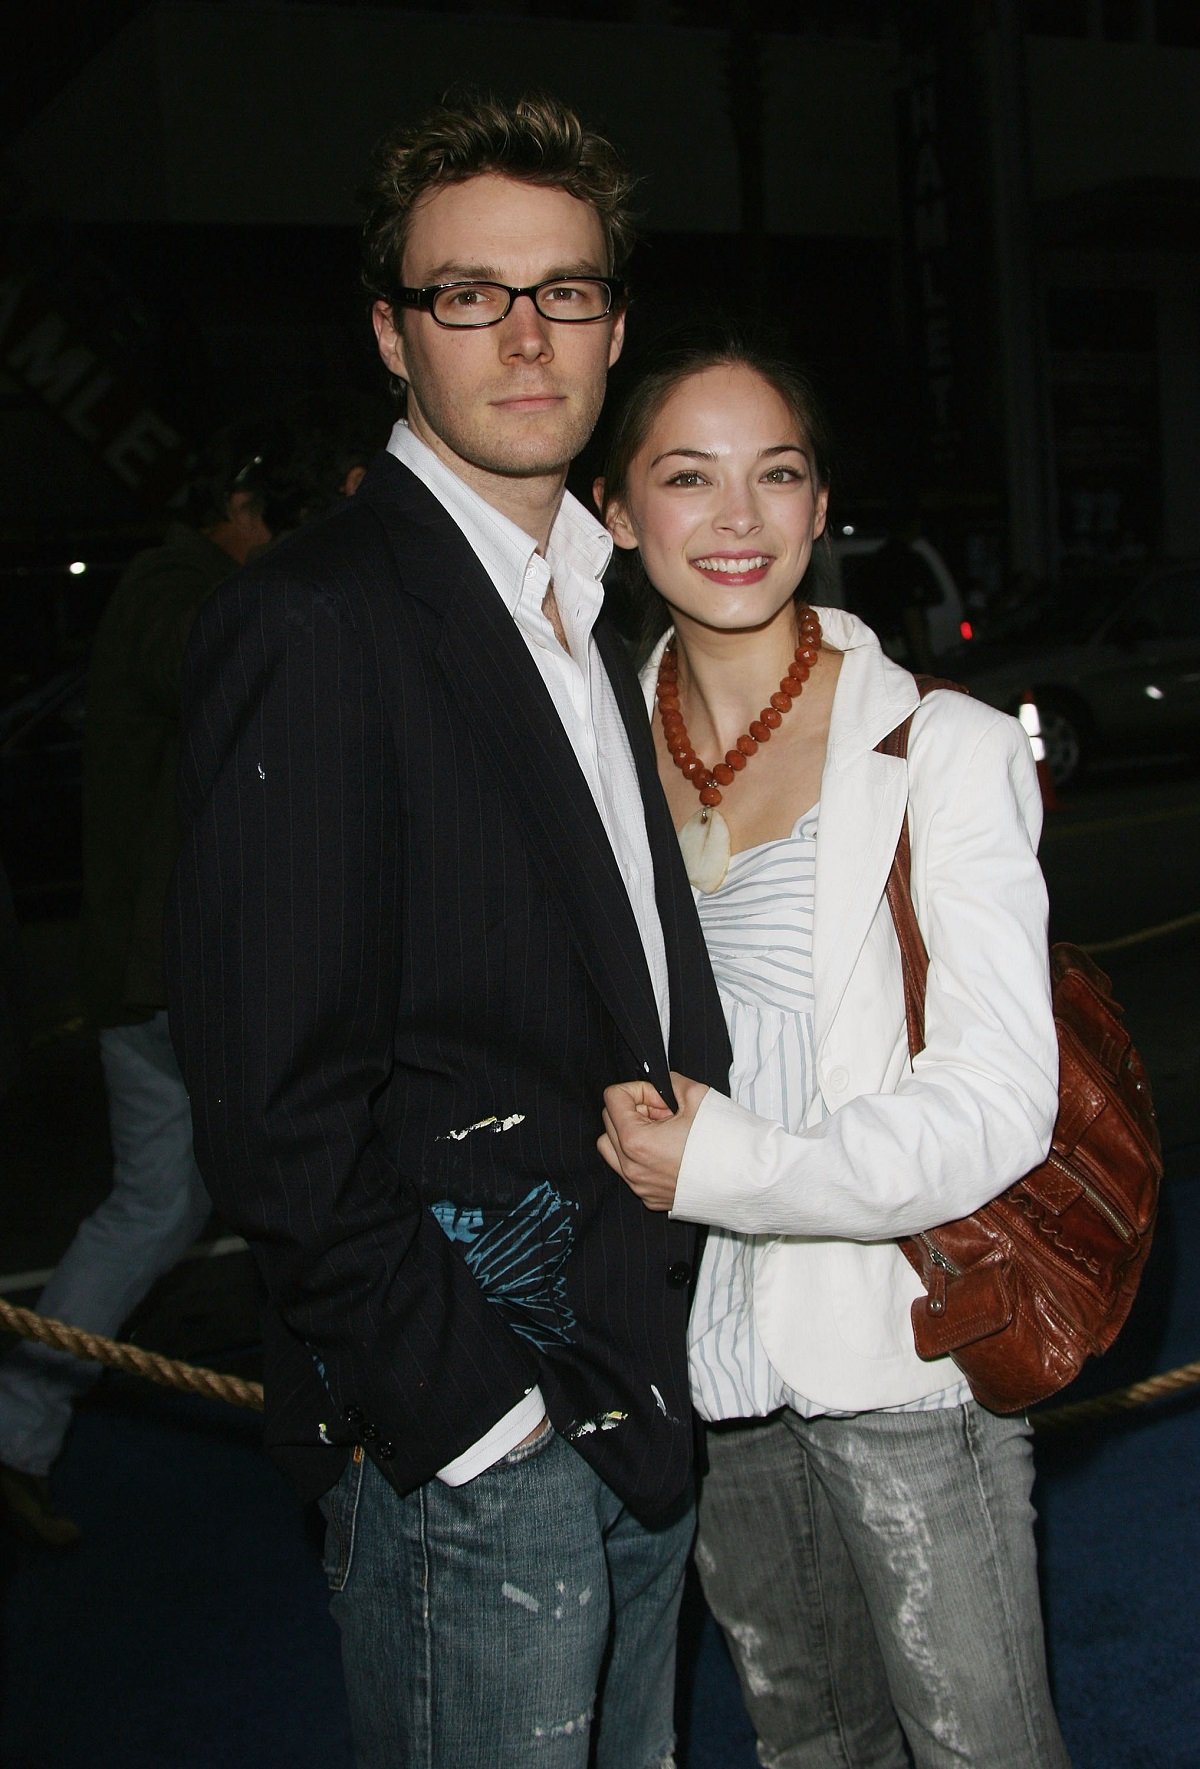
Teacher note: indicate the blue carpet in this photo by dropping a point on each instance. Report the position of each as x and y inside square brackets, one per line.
[190, 1629]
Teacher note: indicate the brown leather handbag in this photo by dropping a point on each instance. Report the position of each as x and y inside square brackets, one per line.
[1021, 1292]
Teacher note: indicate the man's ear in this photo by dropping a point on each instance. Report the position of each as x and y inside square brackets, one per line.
[389, 338]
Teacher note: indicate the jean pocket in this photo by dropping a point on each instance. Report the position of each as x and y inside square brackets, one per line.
[339, 1507]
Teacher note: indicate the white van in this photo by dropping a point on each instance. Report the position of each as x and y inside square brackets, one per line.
[838, 573]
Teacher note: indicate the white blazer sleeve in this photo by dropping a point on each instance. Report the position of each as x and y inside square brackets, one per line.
[977, 1110]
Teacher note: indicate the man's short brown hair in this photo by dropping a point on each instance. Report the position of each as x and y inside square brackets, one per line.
[536, 141]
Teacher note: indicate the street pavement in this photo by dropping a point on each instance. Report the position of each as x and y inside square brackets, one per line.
[1122, 860]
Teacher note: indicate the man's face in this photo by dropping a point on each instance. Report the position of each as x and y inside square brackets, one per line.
[516, 400]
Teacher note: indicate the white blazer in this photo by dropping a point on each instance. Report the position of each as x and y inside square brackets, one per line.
[890, 1148]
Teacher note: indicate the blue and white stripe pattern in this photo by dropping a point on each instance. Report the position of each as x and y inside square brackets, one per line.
[758, 926]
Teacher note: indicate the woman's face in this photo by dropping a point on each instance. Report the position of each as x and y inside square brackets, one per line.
[721, 501]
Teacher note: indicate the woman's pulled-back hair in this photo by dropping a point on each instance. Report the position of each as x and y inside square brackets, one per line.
[538, 140]
[676, 358]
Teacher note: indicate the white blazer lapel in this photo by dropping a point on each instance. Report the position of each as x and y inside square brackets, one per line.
[863, 797]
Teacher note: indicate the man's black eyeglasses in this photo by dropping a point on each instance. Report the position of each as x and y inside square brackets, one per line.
[570, 300]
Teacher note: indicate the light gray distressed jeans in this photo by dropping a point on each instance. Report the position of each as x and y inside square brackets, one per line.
[876, 1580]
[155, 1210]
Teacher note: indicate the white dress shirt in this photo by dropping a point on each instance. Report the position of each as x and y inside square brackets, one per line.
[582, 695]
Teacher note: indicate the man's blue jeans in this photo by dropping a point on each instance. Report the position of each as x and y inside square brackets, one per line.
[155, 1210]
[516, 1622]
[876, 1580]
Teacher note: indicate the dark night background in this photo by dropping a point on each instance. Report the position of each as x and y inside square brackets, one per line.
[979, 222]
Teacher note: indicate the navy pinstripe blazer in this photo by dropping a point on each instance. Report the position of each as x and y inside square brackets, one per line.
[396, 916]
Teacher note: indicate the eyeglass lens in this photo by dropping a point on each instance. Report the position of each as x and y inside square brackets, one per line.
[482, 304]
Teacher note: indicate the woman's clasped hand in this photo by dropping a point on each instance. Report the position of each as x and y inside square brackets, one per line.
[644, 1139]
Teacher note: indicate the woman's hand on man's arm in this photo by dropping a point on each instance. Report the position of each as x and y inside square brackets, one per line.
[644, 1139]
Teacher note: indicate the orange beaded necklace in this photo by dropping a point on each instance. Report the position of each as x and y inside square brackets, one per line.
[704, 838]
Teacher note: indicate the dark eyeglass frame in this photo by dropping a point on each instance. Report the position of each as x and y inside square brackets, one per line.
[424, 298]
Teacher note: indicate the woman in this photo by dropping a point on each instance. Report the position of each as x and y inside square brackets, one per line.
[866, 1534]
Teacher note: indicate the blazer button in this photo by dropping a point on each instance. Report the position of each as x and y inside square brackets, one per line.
[679, 1274]
[385, 1449]
[369, 1432]
[354, 1415]
[837, 1080]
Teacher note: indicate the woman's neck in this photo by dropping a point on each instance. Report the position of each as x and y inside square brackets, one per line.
[725, 678]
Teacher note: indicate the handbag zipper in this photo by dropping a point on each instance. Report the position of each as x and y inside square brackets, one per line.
[1117, 1221]
[942, 1266]
[936, 1254]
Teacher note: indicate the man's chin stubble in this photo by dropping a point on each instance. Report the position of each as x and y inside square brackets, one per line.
[511, 464]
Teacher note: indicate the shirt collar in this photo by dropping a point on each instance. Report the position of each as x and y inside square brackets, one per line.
[577, 541]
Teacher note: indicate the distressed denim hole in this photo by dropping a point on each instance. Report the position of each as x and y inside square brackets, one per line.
[573, 1728]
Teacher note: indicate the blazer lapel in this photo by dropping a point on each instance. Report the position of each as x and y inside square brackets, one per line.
[488, 667]
[863, 798]
[694, 999]
[488, 670]
[861, 814]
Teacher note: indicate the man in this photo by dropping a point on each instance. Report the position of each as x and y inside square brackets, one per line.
[422, 918]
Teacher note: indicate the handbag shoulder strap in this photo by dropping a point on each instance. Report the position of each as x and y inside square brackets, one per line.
[914, 954]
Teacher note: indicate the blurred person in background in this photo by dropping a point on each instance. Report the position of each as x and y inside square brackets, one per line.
[255, 480]
[895, 598]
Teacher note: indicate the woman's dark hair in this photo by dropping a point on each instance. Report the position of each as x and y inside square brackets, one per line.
[675, 359]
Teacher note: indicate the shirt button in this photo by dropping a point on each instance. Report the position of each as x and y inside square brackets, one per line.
[679, 1274]
[837, 1080]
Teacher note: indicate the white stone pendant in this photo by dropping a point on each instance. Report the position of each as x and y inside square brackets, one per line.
[704, 842]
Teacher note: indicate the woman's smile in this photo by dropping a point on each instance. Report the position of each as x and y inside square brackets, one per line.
[725, 568]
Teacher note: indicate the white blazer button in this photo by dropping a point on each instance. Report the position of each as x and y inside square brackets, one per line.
[837, 1080]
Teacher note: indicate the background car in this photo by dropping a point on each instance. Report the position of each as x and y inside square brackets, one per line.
[1113, 671]
[845, 574]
